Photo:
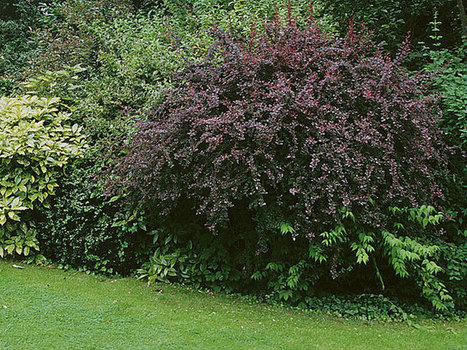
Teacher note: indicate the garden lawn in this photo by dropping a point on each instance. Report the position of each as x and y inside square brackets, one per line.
[44, 308]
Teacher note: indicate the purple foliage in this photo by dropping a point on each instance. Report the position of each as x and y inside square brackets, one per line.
[289, 119]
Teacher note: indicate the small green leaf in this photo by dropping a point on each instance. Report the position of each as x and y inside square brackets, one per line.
[13, 216]
[114, 198]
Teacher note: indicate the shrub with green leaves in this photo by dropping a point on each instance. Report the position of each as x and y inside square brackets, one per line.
[82, 228]
[136, 56]
[18, 20]
[411, 257]
[450, 71]
[405, 254]
[62, 84]
[85, 230]
[36, 141]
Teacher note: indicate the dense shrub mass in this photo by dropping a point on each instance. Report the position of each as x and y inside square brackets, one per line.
[82, 228]
[289, 163]
[18, 19]
[294, 131]
[129, 59]
[450, 72]
[294, 121]
[86, 230]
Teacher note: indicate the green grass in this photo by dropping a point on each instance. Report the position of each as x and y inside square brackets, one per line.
[53, 309]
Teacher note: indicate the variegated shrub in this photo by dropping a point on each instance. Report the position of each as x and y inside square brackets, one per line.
[36, 140]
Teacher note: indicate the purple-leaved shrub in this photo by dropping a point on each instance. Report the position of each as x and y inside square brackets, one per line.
[291, 122]
[292, 163]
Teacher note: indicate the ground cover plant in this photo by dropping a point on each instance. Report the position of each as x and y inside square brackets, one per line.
[44, 308]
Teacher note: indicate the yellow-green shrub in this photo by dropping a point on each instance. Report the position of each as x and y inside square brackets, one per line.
[36, 140]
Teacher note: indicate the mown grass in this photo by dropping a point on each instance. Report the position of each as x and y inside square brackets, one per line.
[51, 309]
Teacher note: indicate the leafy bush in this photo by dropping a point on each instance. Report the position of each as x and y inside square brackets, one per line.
[195, 260]
[449, 69]
[136, 55]
[85, 230]
[69, 38]
[82, 228]
[353, 248]
[295, 132]
[36, 140]
[294, 269]
[62, 84]
[247, 127]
